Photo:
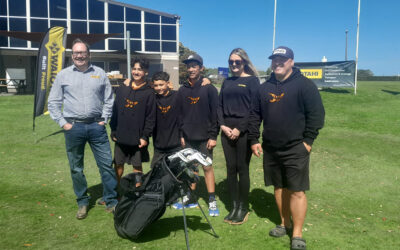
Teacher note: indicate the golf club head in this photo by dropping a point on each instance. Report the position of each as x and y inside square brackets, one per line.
[191, 156]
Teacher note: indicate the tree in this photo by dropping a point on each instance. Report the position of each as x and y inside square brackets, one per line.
[269, 71]
[184, 52]
[364, 73]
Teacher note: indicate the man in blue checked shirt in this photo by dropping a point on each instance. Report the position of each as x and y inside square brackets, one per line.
[84, 92]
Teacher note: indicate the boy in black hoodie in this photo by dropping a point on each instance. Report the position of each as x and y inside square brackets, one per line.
[133, 120]
[166, 135]
[291, 108]
[199, 124]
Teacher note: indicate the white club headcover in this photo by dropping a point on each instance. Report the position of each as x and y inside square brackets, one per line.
[189, 155]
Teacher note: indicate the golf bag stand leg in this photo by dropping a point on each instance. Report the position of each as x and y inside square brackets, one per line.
[209, 223]
[184, 220]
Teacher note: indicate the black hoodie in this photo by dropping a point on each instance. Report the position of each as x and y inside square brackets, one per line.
[235, 100]
[199, 111]
[292, 112]
[166, 132]
[134, 114]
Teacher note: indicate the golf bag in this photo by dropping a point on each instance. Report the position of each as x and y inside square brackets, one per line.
[161, 186]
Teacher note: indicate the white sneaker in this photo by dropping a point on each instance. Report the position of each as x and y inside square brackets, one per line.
[213, 208]
[187, 203]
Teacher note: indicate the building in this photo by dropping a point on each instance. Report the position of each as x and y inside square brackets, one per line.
[153, 34]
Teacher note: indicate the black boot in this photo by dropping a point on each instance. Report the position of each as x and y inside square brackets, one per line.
[232, 213]
[241, 215]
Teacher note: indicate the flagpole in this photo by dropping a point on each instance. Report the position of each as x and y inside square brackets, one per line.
[358, 34]
[35, 97]
[273, 37]
[128, 54]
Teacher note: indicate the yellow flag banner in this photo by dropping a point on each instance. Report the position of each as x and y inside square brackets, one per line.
[50, 61]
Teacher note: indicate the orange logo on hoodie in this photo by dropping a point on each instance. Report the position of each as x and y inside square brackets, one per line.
[194, 100]
[164, 109]
[276, 98]
[130, 104]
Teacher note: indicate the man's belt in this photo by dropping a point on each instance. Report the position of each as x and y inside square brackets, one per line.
[84, 120]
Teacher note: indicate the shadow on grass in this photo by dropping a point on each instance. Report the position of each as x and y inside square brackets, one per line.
[163, 227]
[95, 193]
[223, 194]
[201, 190]
[264, 206]
[335, 91]
[260, 201]
[44, 137]
[390, 92]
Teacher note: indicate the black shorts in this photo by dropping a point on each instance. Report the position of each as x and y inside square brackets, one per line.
[200, 146]
[287, 168]
[160, 154]
[132, 155]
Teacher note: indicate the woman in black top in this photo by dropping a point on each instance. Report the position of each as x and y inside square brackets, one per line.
[234, 108]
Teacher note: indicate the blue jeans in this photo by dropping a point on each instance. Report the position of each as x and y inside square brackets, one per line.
[75, 141]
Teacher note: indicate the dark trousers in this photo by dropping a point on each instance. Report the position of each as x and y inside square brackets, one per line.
[237, 155]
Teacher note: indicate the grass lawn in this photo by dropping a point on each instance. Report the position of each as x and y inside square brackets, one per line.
[354, 199]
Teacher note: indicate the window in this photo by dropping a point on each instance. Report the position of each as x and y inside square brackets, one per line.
[78, 9]
[3, 26]
[98, 64]
[17, 24]
[168, 20]
[96, 10]
[3, 7]
[169, 46]
[152, 46]
[58, 23]
[116, 28]
[151, 18]
[136, 45]
[115, 12]
[133, 15]
[168, 32]
[58, 8]
[152, 31]
[39, 8]
[99, 45]
[113, 66]
[97, 28]
[38, 25]
[136, 31]
[17, 7]
[78, 27]
[115, 44]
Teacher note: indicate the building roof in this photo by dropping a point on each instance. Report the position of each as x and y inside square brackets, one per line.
[141, 8]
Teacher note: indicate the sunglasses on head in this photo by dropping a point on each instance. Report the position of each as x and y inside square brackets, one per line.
[237, 62]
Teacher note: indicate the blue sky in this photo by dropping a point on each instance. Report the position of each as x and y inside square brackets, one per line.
[312, 28]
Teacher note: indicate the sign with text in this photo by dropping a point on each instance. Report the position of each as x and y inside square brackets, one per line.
[329, 74]
[224, 72]
[50, 61]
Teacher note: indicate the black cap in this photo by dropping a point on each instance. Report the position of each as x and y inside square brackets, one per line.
[282, 51]
[194, 57]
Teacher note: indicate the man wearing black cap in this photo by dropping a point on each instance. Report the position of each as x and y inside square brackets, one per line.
[291, 108]
[199, 126]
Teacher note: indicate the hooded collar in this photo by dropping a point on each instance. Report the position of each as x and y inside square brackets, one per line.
[196, 84]
[295, 74]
